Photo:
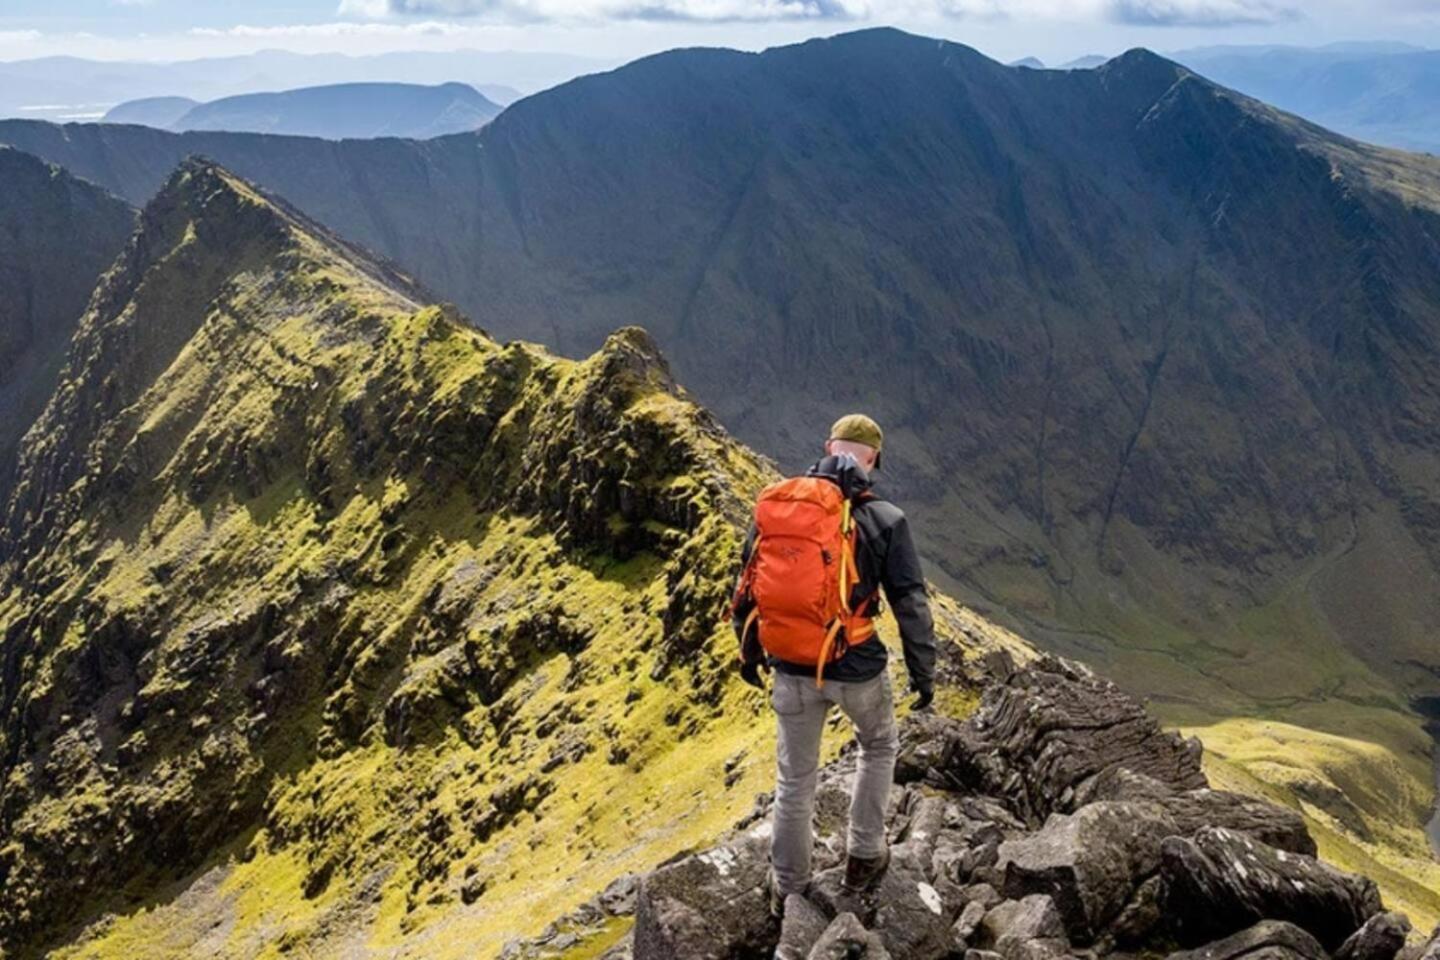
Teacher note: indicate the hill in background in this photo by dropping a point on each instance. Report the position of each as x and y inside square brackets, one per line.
[68, 88]
[159, 112]
[333, 112]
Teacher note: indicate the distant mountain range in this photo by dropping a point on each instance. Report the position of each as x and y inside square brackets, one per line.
[1385, 93]
[72, 88]
[334, 112]
[1157, 360]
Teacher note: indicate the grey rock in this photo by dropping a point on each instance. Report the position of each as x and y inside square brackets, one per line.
[1089, 862]
[912, 916]
[618, 899]
[1278, 826]
[706, 907]
[982, 892]
[801, 928]
[827, 890]
[1038, 737]
[1142, 917]
[1267, 940]
[963, 930]
[925, 740]
[847, 939]
[1380, 938]
[1031, 918]
[1222, 881]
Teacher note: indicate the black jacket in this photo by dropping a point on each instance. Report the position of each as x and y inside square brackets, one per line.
[885, 556]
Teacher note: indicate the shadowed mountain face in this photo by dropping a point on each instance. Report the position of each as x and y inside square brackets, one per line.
[1156, 362]
[57, 234]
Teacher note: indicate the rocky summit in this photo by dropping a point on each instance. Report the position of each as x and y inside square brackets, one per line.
[1057, 821]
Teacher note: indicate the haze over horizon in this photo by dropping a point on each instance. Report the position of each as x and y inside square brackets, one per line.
[616, 30]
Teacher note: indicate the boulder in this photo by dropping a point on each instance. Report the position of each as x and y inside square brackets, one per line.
[1026, 929]
[1270, 823]
[618, 899]
[1380, 938]
[962, 932]
[1089, 862]
[801, 928]
[1222, 881]
[912, 916]
[708, 906]
[1266, 940]
[846, 939]
[1030, 918]
[1141, 918]
[1040, 736]
[925, 740]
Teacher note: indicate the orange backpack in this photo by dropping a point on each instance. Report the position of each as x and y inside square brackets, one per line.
[801, 573]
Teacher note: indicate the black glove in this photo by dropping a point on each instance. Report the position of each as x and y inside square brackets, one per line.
[750, 672]
[922, 701]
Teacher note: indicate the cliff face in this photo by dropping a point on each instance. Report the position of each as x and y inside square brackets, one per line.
[326, 619]
[57, 233]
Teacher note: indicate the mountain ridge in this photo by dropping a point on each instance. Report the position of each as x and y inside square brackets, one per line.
[1152, 357]
[319, 604]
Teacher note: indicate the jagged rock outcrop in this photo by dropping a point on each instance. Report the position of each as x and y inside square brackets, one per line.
[1220, 880]
[1043, 737]
[1133, 868]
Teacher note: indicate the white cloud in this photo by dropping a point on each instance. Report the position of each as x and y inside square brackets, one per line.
[338, 28]
[1209, 13]
[695, 11]
[1204, 13]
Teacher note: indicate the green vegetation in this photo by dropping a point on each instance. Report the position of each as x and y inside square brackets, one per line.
[339, 624]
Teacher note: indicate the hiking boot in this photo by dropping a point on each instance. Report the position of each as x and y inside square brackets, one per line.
[861, 873]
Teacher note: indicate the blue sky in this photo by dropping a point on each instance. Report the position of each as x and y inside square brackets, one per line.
[1052, 29]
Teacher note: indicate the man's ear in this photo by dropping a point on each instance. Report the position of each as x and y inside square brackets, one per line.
[828, 445]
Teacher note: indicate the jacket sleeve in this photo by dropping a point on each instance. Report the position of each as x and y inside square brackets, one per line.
[750, 649]
[904, 583]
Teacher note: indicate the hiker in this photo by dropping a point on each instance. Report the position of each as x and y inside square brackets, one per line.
[818, 554]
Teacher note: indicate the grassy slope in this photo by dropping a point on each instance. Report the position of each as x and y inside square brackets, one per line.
[389, 617]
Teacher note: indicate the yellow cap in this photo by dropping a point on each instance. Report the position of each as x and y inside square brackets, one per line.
[858, 428]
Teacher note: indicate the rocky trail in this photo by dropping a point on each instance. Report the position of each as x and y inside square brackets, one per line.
[1058, 821]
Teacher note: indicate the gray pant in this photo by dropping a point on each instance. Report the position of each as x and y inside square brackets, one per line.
[800, 710]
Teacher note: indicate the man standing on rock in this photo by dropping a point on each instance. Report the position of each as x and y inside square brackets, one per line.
[821, 549]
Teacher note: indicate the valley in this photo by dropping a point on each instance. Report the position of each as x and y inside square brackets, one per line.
[1155, 360]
